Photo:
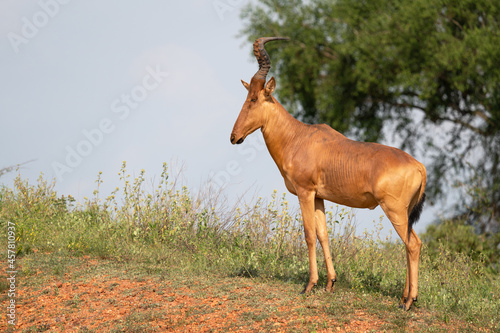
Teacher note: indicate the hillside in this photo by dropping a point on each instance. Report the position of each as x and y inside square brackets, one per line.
[168, 260]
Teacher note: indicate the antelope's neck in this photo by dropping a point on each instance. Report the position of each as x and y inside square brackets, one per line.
[280, 132]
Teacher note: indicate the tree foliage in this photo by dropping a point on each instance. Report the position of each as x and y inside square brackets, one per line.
[423, 73]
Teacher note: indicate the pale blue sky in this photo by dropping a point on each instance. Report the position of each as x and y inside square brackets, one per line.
[88, 84]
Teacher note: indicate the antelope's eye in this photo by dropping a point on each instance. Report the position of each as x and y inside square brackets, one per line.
[253, 100]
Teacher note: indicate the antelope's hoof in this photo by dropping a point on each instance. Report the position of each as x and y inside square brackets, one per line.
[406, 304]
[330, 286]
[308, 288]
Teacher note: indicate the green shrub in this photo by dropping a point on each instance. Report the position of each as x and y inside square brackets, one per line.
[459, 238]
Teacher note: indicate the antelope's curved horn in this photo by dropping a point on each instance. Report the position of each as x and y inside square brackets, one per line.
[262, 56]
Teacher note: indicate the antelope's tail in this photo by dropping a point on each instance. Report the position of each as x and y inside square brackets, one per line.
[416, 211]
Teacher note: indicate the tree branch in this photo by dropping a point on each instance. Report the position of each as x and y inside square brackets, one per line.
[12, 167]
[464, 124]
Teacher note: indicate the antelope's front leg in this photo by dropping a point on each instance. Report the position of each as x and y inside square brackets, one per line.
[322, 232]
[307, 207]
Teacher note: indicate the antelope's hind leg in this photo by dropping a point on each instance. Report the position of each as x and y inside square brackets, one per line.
[406, 291]
[413, 257]
[399, 219]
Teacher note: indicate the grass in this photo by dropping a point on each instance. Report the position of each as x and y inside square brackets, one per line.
[174, 237]
[190, 300]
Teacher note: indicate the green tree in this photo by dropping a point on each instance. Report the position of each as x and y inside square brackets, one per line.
[424, 73]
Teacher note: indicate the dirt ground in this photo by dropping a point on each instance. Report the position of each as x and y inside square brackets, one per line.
[105, 304]
[88, 297]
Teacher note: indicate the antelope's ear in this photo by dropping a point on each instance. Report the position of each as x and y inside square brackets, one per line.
[246, 85]
[271, 84]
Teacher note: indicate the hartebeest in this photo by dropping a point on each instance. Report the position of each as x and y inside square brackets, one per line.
[319, 163]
